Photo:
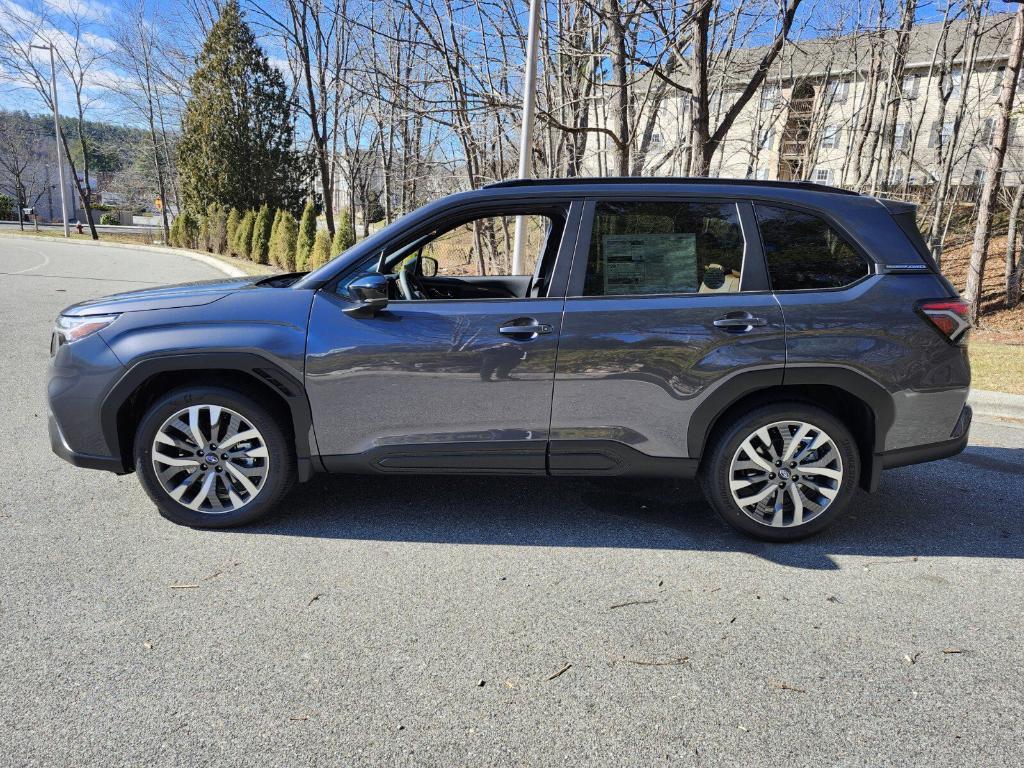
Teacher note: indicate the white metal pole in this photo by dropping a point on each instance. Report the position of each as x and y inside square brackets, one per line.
[60, 146]
[526, 132]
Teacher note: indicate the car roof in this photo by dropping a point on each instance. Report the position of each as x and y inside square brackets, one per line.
[660, 182]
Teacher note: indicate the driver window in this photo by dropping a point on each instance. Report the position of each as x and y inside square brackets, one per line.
[483, 247]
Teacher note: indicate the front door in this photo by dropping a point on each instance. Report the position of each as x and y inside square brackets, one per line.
[457, 378]
[667, 302]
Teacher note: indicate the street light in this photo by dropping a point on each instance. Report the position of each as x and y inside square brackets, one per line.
[56, 131]
[526, 133]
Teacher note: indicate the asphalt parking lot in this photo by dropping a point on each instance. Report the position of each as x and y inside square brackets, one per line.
[472, 622]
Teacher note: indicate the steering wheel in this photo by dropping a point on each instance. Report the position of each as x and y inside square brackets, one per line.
[408, 286]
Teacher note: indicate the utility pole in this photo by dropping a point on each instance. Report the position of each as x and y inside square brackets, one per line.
[56, 132]
[526, 132]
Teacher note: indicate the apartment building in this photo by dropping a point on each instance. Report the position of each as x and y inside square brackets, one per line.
[822, 113]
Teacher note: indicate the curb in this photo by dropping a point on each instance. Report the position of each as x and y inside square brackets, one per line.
[204, 258]
[998, 404]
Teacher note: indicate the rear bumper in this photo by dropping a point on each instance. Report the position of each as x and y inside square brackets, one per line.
[920, 454]
[85, 460]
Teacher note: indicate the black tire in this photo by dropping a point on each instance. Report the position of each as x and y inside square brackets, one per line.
[726, 441]
[281, 456]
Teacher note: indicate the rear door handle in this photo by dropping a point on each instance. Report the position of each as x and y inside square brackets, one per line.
[740, 322]
[531, 328]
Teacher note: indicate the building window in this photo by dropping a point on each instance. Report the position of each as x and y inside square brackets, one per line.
[830, 137]
[997, 79]
[941, 133]
[822, 176]
[911, 83]
[761, 174]
[768, 138]
[901, 139]
[897, 176]
[656, 140]
[988, 131]
[769, 96]
[838, 91]
[956, 80]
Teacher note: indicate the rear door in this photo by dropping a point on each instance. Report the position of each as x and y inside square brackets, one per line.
[666, 303]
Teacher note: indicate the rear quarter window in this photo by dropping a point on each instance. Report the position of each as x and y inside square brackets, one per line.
[804, 253]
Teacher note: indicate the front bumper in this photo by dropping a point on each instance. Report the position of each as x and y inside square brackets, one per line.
[85, 460]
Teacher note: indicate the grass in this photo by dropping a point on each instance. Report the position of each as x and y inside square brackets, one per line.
[997, 366]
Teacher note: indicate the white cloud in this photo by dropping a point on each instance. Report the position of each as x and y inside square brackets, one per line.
[87, 10]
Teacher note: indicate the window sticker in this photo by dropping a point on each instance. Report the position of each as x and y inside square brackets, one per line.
[650, 264]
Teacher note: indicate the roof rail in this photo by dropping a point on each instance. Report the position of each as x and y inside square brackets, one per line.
[585, 180]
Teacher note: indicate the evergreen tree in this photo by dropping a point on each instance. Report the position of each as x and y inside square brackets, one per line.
[272, 255]
[188, 234]
[218, 228]
[321, 252]
[261, 236]
[243, 235]
[204, 233]
[234, 219]
[237, 132]
[306, 237]
[174, 236]
[283, 247]
[344, 235]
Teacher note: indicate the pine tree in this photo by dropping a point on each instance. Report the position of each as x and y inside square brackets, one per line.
[272, 254]
[237, 132]
[261, 236]
[307, 235]
[344, 235]
[243, 235]
[203, 243]
[283, 247]
[321, 252]
[234, 219]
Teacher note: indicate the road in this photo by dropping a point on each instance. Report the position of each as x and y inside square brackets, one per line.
[419, 621]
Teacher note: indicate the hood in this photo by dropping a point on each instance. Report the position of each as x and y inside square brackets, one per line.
[165, 297]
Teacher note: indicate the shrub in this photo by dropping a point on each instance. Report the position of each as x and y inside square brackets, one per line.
[231, 229]
[243, 235]
[344, 234]
[374, 211]
[261, 236]
[307, 234]
[283, 248]
[110, 218]
[6, 208]
[174, 236]
[271, 256]
[217, 239]
[321, 252]
[203, 240]
[189, 230]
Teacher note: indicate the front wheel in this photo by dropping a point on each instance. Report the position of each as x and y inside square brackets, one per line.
[781, 472]
[212, 458]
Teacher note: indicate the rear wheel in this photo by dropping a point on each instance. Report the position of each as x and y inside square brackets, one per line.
[781, 472]
[212, 457]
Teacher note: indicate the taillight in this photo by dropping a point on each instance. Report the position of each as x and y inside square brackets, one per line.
[950, 316]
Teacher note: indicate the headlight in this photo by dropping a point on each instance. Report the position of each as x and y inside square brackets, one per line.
[70, 329]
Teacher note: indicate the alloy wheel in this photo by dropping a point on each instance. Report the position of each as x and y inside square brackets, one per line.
[786, 474]
[210, 459]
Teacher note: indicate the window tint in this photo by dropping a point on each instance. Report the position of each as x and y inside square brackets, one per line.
[659, 247]
[803, 251]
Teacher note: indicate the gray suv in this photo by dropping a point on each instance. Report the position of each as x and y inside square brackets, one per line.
[782, 342]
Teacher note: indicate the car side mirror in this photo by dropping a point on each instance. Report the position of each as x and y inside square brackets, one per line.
[428, 266]
[370, 294]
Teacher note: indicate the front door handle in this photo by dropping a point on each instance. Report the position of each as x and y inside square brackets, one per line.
[740, 321]
[525, 326]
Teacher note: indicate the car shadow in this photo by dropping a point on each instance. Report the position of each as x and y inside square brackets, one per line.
[967, 506]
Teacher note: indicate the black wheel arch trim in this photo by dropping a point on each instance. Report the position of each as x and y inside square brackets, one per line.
[750, 382]
[259, 368]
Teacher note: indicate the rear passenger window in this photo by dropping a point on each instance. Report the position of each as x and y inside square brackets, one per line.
[804, 252]
[664, 247]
